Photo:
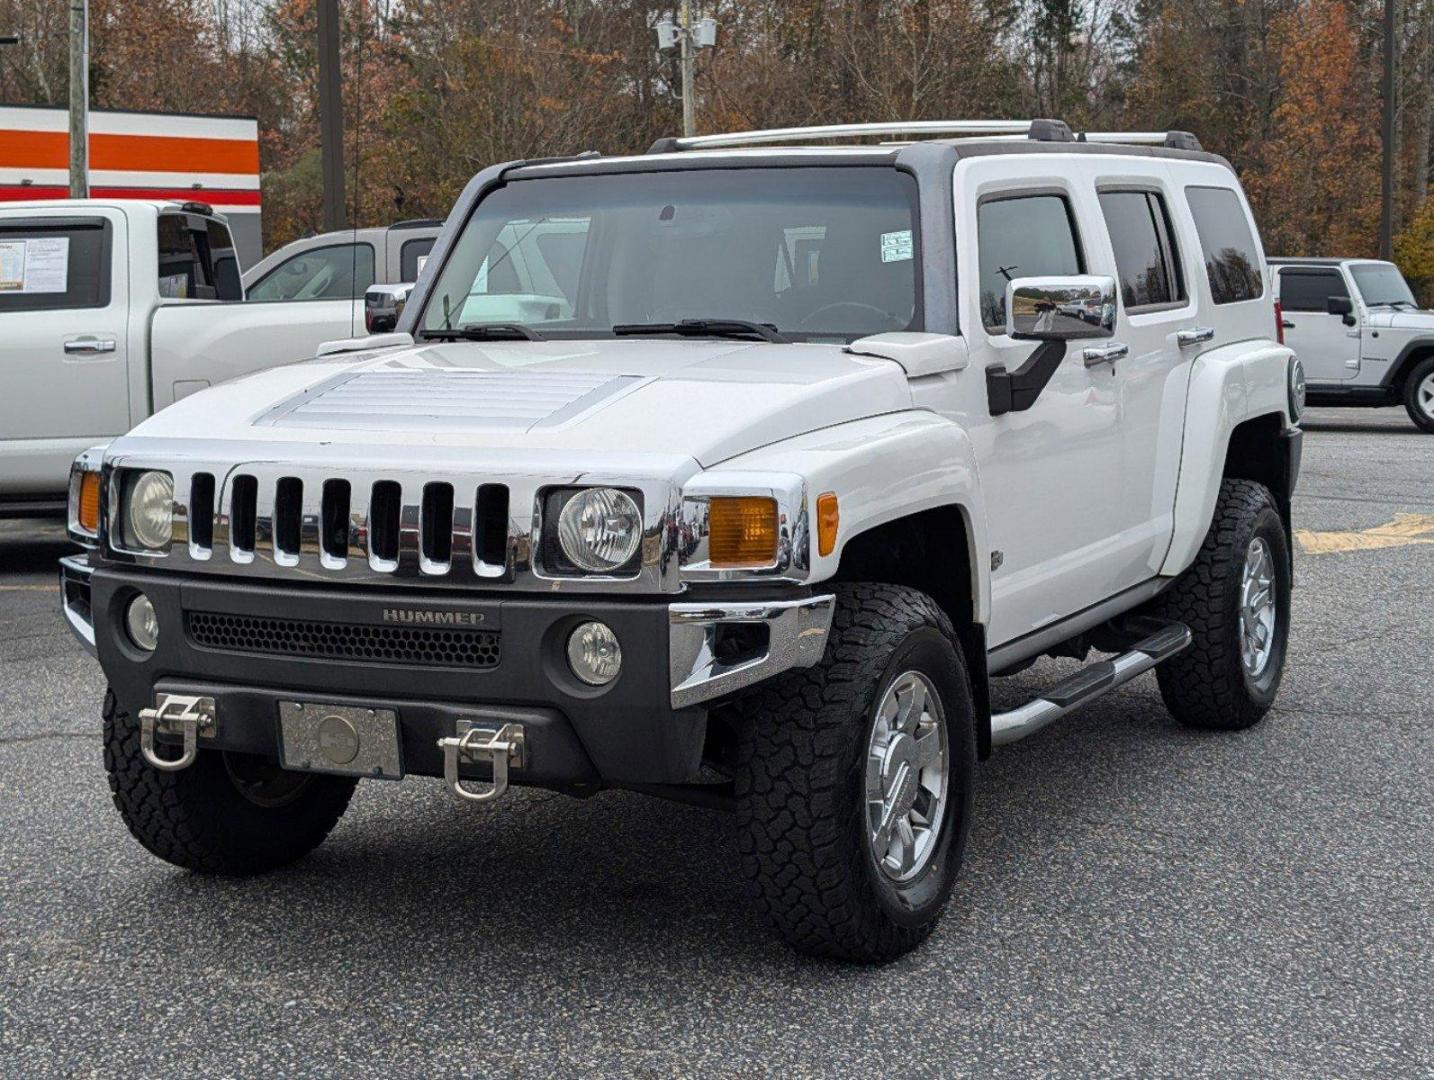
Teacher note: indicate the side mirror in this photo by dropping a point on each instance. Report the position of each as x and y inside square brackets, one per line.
[383, 304]
[1060, 308]
[1341, 305]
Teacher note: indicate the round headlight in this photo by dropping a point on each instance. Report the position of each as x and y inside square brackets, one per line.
[1297, 389]
[149, 510]
[599, 529]
[142, 623]
[594, 654]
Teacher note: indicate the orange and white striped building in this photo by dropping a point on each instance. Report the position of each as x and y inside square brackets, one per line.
[139, 155]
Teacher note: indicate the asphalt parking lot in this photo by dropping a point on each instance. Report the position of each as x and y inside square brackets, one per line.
[1138, 900]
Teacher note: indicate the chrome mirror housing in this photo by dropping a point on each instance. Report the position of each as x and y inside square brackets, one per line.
[383, 304]
[1060, 308]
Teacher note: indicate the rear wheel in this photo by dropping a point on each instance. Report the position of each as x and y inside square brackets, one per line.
[1419, 394]
[226, 813]
[1236, 601]
[854, 781]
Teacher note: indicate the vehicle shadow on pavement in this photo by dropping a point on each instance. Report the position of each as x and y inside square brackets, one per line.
[32, 547]
[541, 885]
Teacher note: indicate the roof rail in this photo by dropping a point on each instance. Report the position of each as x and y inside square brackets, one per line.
[1173, 140]
[841, 131]
[1041, 130]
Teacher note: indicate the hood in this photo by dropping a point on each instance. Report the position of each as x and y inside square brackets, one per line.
[703, 399]
[1402, 320]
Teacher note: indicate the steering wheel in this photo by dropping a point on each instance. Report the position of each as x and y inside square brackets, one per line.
[848, 304]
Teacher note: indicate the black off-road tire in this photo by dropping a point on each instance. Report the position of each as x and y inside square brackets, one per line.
[1207, 686]
[800, 782]
[199, 819]
[1417, 412]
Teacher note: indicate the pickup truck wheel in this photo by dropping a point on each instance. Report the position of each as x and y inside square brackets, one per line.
[226, 813]
[854, 781]
[1236, 601]
[1419, 394]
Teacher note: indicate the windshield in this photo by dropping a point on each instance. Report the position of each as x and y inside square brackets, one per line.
[818, 253]
[1382, 283]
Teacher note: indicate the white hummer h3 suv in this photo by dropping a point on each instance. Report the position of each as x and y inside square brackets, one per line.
[731, 473]
[1359, 333]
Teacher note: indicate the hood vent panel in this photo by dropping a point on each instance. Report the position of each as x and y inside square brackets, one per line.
[448, 400]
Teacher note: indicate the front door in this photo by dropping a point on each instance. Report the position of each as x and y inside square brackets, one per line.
[1326, 346]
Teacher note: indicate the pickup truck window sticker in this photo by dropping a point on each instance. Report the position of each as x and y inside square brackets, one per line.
[36, 265]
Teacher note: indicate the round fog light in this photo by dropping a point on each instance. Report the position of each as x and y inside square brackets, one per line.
[594, 654]
[142, 623]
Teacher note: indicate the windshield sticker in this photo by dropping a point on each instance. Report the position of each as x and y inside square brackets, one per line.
[896, 246]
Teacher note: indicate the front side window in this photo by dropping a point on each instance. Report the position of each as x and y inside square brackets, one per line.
[822, 252]
[54, 265]
[1382, 283]
[338, 272]
[1145, 255]
[1022, 236]
[1310, 290]
[1228, 244]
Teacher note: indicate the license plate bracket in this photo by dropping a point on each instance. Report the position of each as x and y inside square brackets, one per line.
[344, 740]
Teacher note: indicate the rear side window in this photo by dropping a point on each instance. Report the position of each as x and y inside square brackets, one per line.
[55, 265]
[1145, 255]
[1310, 290]
[1227, 243]
[1022, 236]
[224, 261]
[340, 272]
[181, 267]
[412, 256]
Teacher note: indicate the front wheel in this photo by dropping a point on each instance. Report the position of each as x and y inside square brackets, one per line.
[226, 813]
[1236, 600]
[1419, 394]
[854, 781]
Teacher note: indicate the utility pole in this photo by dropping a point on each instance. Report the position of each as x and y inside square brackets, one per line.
[1386, 180]
[331, 117]
[687, 37]
[79, 99]
[689, 70]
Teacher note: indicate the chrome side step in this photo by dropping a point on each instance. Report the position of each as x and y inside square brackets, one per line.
[1089, 683]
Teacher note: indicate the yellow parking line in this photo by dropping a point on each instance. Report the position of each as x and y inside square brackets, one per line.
[1404, 530]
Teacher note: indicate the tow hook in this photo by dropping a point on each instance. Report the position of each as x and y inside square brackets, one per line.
[472, 744]
[176, 714]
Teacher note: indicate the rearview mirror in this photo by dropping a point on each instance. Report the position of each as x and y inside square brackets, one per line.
[383, 304]
[1060, 308]
[1341, 305]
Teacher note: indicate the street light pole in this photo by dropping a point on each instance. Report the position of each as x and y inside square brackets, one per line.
[689, 71]
[79, 99]
[331, 118]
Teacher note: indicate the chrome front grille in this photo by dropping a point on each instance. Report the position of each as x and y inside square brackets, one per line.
[378, 525]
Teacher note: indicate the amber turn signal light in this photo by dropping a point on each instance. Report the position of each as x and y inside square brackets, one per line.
[89, 509]
[828, 519]
[742, 531]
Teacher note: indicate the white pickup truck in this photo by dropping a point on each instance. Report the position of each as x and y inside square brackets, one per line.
[112, 309]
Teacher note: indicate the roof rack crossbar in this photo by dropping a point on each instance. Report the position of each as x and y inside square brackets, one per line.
[841, 131]
[1177, 140]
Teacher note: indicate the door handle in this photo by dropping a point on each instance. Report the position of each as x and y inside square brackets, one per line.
[89, 346]
[1195, 335]
[1287, 324]
[1095, 355]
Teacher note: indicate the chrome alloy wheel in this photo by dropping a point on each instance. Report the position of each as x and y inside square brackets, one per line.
[1257, 608]
[907, 777]
[1424, 396]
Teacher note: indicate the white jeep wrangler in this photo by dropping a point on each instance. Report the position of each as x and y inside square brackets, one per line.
[737, 487]
[1358, 331]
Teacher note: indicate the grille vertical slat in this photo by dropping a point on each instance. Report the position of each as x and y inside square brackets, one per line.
[490, 531]
[410, 531]
[436, 528]
[334, 523]
[288, 520]
[201, 514]
[243, 526]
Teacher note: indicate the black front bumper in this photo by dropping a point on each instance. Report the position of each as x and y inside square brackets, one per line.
[579, 737]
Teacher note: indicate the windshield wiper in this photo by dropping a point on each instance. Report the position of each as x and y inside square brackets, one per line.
[505, 331]
[738, 328]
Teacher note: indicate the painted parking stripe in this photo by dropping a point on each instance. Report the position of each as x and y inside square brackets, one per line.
[1404, 531]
